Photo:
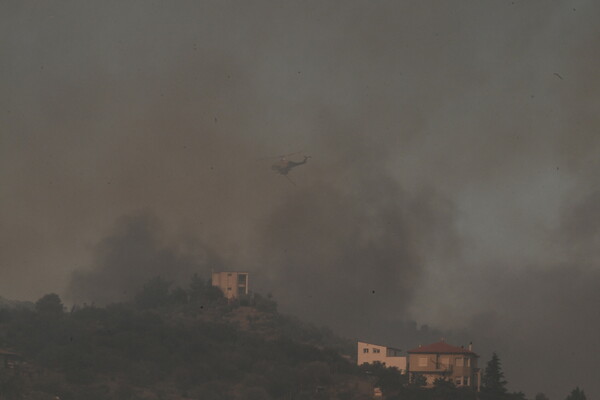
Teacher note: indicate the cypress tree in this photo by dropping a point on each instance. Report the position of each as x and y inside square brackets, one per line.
[576, 394]
[493, 378]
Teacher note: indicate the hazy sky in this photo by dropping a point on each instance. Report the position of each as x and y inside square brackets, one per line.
[453, 180]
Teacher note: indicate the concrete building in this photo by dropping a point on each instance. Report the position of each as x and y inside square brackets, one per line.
[8, 359]
[442, 360]
[389, 356]
[232, 284]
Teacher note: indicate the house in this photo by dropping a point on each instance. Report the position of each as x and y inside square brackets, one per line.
[232, 284]
[390, 357]
[442, 360]
[8, 359]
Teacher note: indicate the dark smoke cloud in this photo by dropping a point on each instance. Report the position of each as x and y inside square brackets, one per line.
[352, 238]
[545, 313]
[333, 252]
[581, 229]
[541, 317]
[132, 254]
[453, 172]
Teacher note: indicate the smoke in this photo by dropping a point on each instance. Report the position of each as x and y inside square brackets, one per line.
[544, 316]
[453, 179]
[132, 254]
[332, 251]
[581, 229]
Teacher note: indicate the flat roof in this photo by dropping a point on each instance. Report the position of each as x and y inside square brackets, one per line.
[380, 345]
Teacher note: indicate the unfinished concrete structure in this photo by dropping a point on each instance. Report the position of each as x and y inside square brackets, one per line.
[232, 284]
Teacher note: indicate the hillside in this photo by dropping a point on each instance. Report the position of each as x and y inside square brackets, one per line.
[174, 344]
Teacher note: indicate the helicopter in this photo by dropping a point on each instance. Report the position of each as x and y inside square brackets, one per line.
[283, 166]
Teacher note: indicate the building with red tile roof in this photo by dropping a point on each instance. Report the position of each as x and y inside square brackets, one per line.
[442, 348]
[445, 361]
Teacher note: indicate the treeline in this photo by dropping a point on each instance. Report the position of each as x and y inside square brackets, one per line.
[397, 386]
[177, 343]
[172, 343]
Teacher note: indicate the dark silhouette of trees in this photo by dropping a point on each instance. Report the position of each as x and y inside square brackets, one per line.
[389, 379]
[576, 394]
[494, 384]
[192, 342]
[515, 396]
[418, 380]
[11, 387]
[201, 291]
[49, 305]
[187, 342]
[155, 293]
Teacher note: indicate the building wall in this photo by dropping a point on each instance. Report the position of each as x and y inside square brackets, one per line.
[460, 368]
[232, 284]
[9, 360]
[390, 357]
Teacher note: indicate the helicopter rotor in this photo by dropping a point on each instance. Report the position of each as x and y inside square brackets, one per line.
[281, 157]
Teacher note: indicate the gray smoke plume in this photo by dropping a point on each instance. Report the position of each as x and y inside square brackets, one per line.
[133, 254]
[455, 164]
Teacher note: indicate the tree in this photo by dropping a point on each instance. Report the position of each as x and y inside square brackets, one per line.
[576, 394]
[389, 379]
[155, 293]
[197, 289]
[541, 396]
[516, 396]
[201, 291]
[179, 296]
[444, 389]
[11, 387]
[50, 304]
[418, 380]
[493, 378]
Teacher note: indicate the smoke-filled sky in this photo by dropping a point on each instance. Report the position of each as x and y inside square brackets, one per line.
[454, 178]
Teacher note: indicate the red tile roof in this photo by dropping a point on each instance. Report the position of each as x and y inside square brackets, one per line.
[441, 348]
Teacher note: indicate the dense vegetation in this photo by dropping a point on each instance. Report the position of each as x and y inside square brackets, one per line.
[173, 343]
[176, 343]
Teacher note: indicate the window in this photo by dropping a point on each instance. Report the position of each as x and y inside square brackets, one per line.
[460, 362]
[458, 381]
[365, 350]
[467, 362]
[229, 289]
[241, 290]
[241, 279]
[465, 380]
[376, 351]
[422, 361]
[228, 274]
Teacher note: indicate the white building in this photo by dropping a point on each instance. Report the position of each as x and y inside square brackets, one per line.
[390, 357]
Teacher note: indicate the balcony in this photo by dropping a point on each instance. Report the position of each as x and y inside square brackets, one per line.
[439, 369]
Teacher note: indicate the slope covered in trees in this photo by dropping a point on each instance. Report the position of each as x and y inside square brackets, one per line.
[173, 343]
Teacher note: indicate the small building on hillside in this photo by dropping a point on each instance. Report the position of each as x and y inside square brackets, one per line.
[369, 353]
[9, 360]
[442, 360]
[232, 284]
